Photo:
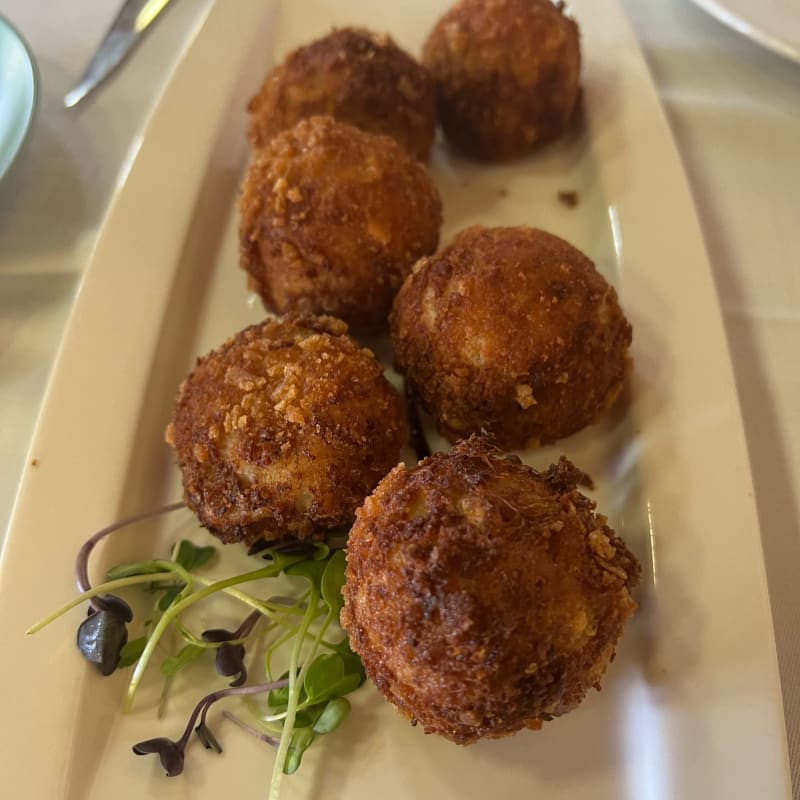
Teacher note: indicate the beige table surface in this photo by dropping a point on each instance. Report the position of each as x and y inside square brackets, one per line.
[734, 109]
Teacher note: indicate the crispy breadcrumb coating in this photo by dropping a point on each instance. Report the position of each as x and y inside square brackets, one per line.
[356, 76]
[511, 330]
[482, 596]
[333, 219]
[506, 74]
[284, 430]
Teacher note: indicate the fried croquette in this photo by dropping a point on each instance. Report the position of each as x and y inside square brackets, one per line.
[512, 331]
[333, 219]
[356, 76]
[506, 74]
[284, 430]
[484, 597]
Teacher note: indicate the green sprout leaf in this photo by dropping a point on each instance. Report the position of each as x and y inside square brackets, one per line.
[185, 656]
[311, 569]
[307, 718]
[333, 581]
[300, 742]
[325, 671]
[327, 677]
[169, 597]
[130, 653]
[333, 715]
[191, 557]
[303, 551]
[320, 552]
[352, 663]
[279, 698]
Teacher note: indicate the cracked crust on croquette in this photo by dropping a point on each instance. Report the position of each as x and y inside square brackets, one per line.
[333, 219]
[356, 76]
[284, 430]
[512, 331]
[484, 597]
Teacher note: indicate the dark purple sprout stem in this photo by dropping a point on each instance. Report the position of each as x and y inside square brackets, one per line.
[247, 626]
[206, 702]
[242, 632]
[82, 559]
[229, 659]
[171, 753]
[264, 737]
[209, 700]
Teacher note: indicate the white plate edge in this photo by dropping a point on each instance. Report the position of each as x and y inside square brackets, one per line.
[739, 24]
[67, 355]
[657, 117]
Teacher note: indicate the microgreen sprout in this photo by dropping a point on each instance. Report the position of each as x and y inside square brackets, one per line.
[230, 653]
[104, 633]
[306, 701]
[82, 559]
[172, 752]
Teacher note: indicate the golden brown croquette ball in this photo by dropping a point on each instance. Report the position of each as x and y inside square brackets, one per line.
[332, 220]
[357, 76]
[482, 596]
[506, 74]
[284, 430]
[511, 330]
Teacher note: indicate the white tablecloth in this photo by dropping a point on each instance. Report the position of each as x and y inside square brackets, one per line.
[735, 113]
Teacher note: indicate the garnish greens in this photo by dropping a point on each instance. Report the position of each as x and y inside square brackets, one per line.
[306, 701]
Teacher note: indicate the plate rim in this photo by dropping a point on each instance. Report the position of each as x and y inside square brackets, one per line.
[95, 279]
[35, 93]
[736, 22]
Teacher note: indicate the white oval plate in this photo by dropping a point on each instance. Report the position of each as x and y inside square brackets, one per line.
[774, 24]
[691, 708]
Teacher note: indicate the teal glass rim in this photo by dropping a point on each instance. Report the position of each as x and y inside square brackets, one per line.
[20, 101]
